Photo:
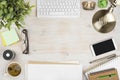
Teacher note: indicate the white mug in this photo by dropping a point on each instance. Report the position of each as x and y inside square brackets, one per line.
[13, 69]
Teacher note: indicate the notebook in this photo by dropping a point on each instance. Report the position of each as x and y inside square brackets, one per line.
[9, 37]
[109, 74]
[115, 63]
[53, 71]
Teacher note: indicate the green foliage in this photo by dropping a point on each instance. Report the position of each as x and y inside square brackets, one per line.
[13, 11]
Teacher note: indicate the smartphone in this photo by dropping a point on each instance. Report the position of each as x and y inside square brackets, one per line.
[103, 47]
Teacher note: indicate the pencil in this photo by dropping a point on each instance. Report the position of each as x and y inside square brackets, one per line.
[104, 58]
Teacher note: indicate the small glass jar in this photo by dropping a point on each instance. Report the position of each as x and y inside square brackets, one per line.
[9, 54]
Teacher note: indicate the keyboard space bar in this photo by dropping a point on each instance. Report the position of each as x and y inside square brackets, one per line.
[62, 14]
[57, 14]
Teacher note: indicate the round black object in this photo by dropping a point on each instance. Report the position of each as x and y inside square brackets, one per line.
[8, 54]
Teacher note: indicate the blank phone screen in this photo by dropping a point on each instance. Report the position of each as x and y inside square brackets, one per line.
[103, 47]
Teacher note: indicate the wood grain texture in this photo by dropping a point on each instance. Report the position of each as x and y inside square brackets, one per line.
[60, 39]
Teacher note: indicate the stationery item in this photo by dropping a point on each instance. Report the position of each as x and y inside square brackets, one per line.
[115, 63]
[102, 3]
[9, 37]
[14, 69]
[53, 71]
[103, 47]
[109, 57]
[88, 5]
[8, 54]
[26, 42]
[109, 74]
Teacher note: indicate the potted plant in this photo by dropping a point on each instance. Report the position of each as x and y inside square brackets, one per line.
[13, 12]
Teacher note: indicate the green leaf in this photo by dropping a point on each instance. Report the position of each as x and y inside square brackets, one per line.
[1, 6]
[8, 16]
[18, 25]
[1, 25]
[3, 3]
[5, 11]
[32, 6]
[10, 9]
[1, 12]
[8, 25]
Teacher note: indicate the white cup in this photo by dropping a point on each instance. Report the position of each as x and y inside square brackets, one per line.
[13, 70]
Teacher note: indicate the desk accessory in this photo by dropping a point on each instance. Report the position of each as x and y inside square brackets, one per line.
[26, 41]
[104, 20]
[109, 57]
[88, 5]
[9, 37]
[102, 3]
[53, 71]
[13, 12]
[13, 69]
[110, 64]
[58, 8]
[109, 74]
[9, 54]
[115, 2]
[103, 47]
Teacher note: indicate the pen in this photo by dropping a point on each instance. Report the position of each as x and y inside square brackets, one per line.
[106, 76]
[108, 58]
[104, 58]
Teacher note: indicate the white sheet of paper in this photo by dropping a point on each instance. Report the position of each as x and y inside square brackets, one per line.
[54, 72]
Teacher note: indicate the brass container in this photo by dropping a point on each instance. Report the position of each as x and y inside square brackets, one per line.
[104, 20]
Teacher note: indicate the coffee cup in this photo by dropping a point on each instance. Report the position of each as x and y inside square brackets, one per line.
[13, 69]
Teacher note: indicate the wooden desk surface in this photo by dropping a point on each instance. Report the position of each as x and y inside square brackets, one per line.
[60, 39]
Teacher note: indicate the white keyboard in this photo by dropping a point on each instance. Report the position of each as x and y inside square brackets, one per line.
[58, 8]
